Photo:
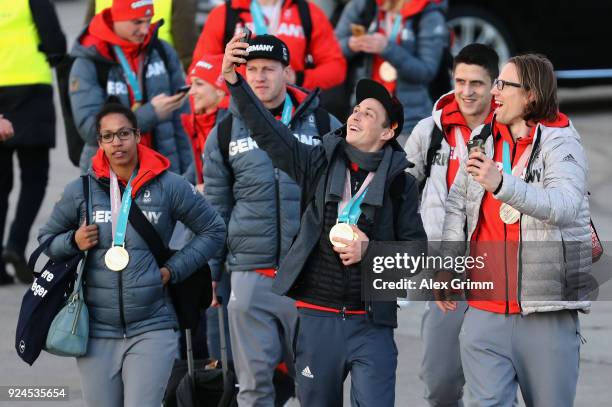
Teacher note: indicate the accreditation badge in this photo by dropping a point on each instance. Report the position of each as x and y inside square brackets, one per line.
[341, 230]
[508, 214]
[116, 258]
[387, 72]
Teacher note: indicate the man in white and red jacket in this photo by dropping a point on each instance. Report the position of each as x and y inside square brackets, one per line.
[522, 205]
[447, 131]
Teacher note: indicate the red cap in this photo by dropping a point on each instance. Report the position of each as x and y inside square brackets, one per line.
[123, 10]
[208, 68]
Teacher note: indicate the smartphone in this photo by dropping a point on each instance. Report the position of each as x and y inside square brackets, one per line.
[357, 30]
[183, 89]
[476, 144]
[248, 33]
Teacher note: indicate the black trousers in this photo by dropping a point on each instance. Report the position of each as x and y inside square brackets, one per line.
[34, 169]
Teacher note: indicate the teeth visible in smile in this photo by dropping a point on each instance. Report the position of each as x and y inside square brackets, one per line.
[353, 128]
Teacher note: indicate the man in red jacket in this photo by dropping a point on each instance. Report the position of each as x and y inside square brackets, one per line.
[315, 62]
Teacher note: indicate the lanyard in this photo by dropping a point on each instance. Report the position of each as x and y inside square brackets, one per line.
[397, 23]
[120, 210]
[349, 209]
[520, 166]
[129, 74]
[259, 20]
[287, 110]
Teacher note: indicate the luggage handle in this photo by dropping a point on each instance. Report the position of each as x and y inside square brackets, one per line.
[190, 366]
[223, 344]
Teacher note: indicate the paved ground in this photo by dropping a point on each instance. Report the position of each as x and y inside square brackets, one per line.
[590, 110]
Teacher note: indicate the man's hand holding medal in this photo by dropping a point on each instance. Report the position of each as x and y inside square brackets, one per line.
[350, 248]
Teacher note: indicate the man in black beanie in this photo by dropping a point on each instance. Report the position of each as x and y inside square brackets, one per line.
[352, 183]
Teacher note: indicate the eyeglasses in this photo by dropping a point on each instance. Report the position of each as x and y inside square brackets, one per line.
[123, 134]
[500, 83]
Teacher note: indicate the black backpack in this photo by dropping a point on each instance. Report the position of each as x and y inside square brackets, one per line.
[73, 138]
[232, 18]
[434, 145]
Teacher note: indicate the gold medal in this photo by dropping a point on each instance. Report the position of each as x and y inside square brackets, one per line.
[508, 214]
[116, 258]
[387, 72]
[342, 230]
[135, 106]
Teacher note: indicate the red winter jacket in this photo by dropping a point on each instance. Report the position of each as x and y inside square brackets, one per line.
[329, 63]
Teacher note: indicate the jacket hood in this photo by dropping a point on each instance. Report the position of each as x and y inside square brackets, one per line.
[150, 165]
[448, 99]
[96, 40]
[444, 100]
[308, 102]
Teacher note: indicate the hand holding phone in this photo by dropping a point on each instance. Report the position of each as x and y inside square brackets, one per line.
[183, 89]
[357, 30]
[476, 144]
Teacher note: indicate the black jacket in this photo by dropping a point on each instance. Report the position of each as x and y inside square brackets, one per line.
[319, 170]
[30, 107]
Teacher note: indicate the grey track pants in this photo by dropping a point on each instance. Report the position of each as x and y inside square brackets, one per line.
[131, 372]
[262, 327]
[441, 370]
[539, 352]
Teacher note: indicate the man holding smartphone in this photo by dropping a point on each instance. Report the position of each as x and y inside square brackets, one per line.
[261, 206]
[120, 54]
[437, 146]
[526, 194]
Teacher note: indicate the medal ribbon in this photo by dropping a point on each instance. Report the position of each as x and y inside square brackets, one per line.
[120, 213]
[287, 110]
[259, 20]
[395, 28]
[130, 75]
[520, 166]
[349, 209]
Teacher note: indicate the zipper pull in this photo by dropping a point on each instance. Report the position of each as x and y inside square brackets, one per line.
[343, 313]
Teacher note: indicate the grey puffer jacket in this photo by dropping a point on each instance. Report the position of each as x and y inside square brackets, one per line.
[435, 191]
[259, 203]
[134, 301]
[554, 210]
[87, 98]
[416, 57]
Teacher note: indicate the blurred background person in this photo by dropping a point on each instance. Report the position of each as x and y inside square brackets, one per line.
[179, 28]
[398, 43]
[143, 71]
[316, 58]
[209, 99]
[31, 42]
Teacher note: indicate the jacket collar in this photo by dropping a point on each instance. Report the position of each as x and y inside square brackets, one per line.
[393, 162]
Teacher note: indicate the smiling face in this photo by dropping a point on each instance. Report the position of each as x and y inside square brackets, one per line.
[133, 30]
[268, 79]
[368, 128]
[472, 91]
[512, 101]
[205, 96]
[118, 152]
